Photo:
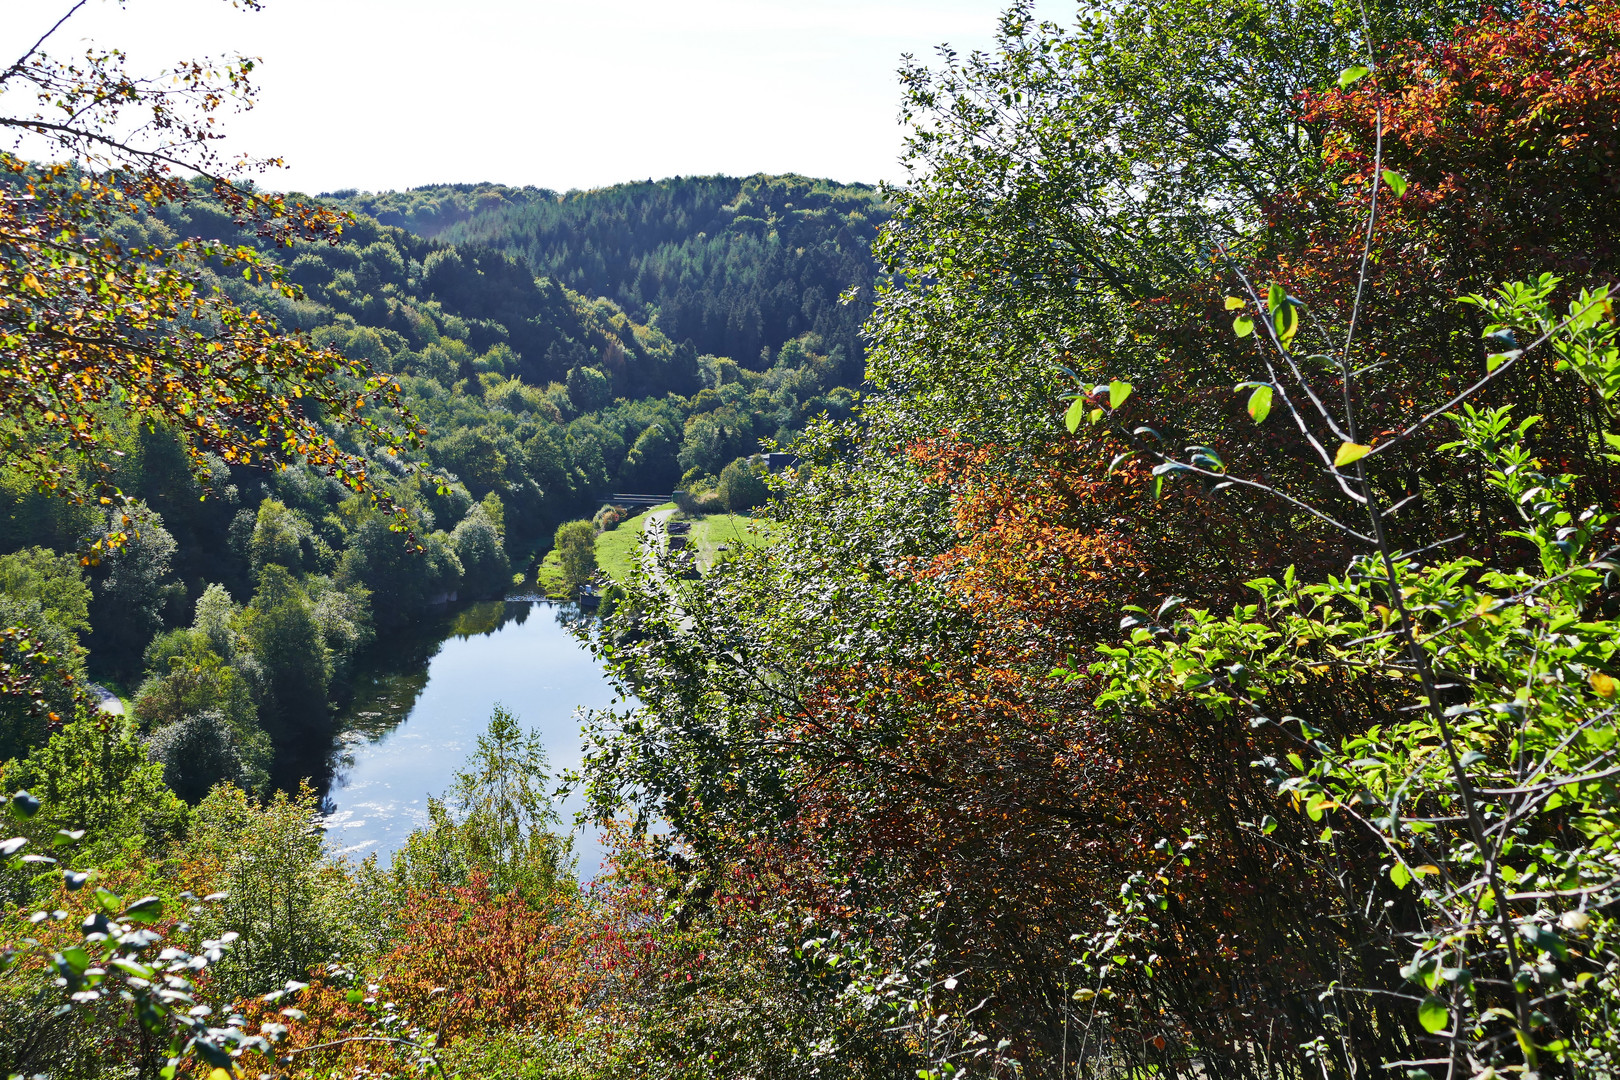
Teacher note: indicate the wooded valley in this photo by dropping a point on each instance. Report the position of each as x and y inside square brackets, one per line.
[1178, 636]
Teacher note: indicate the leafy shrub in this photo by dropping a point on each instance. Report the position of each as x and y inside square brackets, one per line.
[95, 774]
[610, 517]
[1486, 680]
[575, 543]
[741, 487]
[87, 987]
[699, 504]
[290, 904]
[481, 960]
[196, 753]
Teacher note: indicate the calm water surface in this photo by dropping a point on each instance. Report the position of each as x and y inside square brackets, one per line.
[424, 698]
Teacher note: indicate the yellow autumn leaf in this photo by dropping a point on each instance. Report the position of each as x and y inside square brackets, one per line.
[1349, 453]
[1602, 685]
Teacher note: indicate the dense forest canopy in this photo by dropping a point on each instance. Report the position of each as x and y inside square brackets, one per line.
[734, 266]
[1196, 654]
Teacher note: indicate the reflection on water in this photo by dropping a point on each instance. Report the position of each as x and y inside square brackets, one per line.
[424, 697]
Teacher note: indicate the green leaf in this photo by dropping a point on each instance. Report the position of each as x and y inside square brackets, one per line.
[1396, 182]
[1268, 824]
[1234, 303]
[1275, 296]
[148, 909]
[1076, 413]
[1118, 392]
[24, 806]
[1242, 327]
[1260, 404]
[1433, 1015]
[1352, 74]
[354, 997]
[131, 967]
[1286, 320]
[1350, 453]
[1400, 875]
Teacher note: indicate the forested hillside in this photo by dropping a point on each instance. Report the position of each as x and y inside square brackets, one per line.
[737, 267]
[1195, 655]
[535, 402]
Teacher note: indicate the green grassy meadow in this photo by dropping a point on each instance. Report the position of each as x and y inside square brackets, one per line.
[711, 538]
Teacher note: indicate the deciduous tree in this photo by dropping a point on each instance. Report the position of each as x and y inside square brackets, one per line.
[90, 325]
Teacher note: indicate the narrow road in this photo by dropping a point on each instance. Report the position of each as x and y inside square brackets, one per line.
[106, 700]
[657, 517]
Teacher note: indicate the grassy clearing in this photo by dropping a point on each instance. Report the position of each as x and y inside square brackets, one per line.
[616, 549]
[712, 535]
[615, 554]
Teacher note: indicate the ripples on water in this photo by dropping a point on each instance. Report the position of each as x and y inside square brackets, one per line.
[422, 698]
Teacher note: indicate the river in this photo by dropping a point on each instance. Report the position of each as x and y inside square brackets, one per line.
[422, 698]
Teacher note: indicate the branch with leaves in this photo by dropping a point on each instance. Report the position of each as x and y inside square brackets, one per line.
[1494, 800]
[91, 327]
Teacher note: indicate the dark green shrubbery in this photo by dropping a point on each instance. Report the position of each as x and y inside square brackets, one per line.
[197, 752]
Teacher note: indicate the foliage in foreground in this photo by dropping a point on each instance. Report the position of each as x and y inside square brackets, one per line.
[1338, 796]
[920, 690]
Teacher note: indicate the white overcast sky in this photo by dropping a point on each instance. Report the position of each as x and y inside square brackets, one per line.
[380, 94]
